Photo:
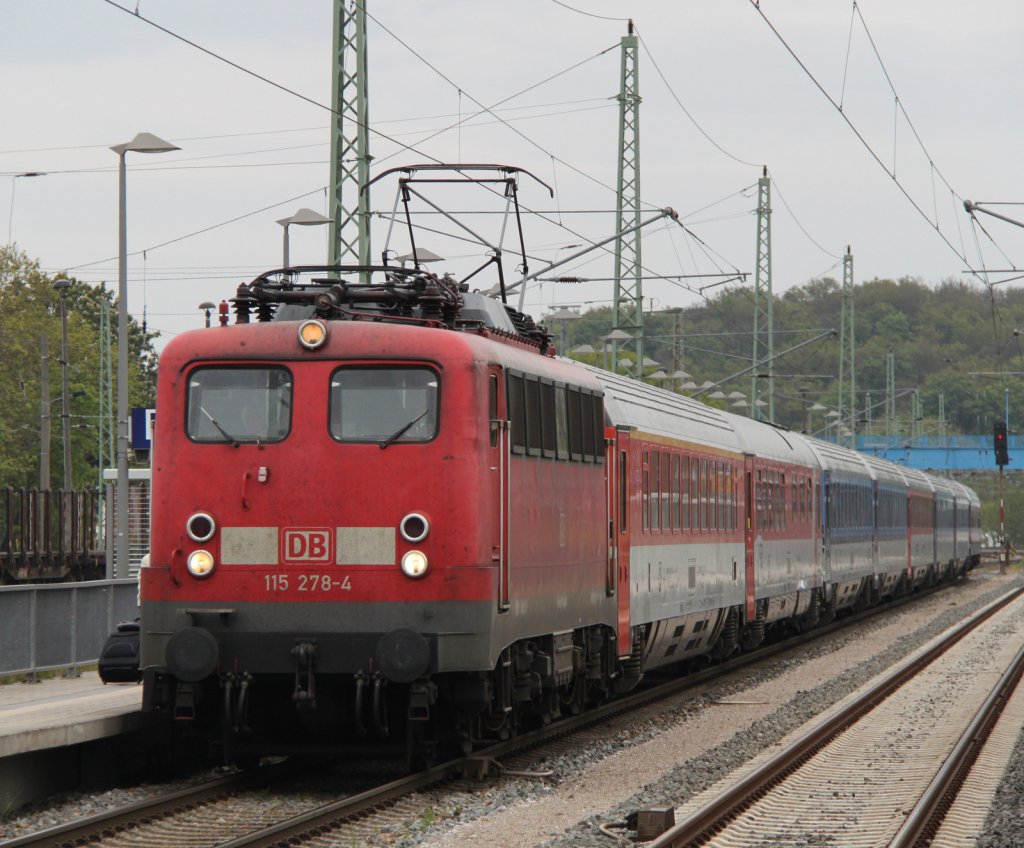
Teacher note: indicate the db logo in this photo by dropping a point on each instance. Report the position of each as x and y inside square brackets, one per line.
[307, 545]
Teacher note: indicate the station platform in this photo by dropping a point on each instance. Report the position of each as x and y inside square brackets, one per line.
[63, 732]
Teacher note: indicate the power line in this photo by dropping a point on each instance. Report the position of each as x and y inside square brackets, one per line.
[256, 75]
[322, 128]
[588, 14]
[203, 230]
[686, 111]
[860, 137]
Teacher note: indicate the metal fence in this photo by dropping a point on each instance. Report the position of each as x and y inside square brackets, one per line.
[138, 521]
[61, 626]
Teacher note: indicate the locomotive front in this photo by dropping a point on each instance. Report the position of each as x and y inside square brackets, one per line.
[321, 546]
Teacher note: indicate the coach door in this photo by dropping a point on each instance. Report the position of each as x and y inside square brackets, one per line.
[750, 538]
[499, 465]
[617, 465]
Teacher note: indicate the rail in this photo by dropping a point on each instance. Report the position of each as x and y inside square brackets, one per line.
[700, 826]
[359, 809]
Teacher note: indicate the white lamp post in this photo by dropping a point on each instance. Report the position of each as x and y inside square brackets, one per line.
[142, 143]
[305, 218]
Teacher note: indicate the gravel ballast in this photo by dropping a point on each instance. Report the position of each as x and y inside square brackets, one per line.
[706, 738]
[695, 740]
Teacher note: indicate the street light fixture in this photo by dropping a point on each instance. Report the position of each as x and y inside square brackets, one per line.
[303, 218]
[615, 337]
[142, 143]
[419, 256]
[562, 315]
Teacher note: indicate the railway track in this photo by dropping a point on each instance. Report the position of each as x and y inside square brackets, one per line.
[886, 766]
[221, 813]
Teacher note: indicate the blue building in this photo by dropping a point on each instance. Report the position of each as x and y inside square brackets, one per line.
[953, 453]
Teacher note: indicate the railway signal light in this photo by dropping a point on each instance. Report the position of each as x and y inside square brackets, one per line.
[1002, 452]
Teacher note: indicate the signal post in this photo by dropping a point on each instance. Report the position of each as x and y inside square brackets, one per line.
[1002, 459]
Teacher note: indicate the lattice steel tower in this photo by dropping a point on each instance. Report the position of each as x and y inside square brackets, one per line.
[628, 303]
[350, 146]
[847, 406]
[764, 343]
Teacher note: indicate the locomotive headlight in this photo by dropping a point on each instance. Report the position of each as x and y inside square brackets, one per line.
[414, 527]
[200, 563]
[414, 564]
[312, 334]
[200, 527]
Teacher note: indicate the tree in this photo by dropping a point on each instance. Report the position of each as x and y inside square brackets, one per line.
[29, 307]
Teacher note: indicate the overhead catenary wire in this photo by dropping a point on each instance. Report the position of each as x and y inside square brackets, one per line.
[719, 147]
[588, 14]
[701, 242]
[202, 230]
[286, 130]
[303, 97]
[311, 101]
[214, 55]
[860, 137]
[686, 111]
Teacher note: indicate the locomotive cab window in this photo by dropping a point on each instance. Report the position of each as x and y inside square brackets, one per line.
[386, 404]
[236, 405]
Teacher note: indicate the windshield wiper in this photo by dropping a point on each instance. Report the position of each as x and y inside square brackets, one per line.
[221, 430]
[402, 430]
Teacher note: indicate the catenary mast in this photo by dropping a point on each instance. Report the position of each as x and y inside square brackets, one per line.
[628, 298]
[847, 406]
[764, 342]
[350, 146]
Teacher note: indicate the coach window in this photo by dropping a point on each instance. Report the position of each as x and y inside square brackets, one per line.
[548, 424]
[597, 416]
[517, 412]
[713, 495]
[727, 494]
[561, 423]
[704, 494]
[645, 496]
[666, 489]
[782, 501]
[655, 490]
[694, 493]
[385, 405]
[587, 426]
[235, 405]
[758, 502]
[575, 426]
[675, 492]
[730, 494]
[684, 494]
[533, 417]
[723, 496]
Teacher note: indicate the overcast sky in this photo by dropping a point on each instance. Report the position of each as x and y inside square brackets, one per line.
[80, 75]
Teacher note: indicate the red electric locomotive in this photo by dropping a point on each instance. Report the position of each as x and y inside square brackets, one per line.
[344, 535]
